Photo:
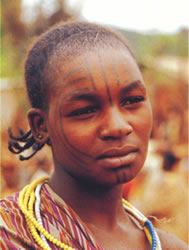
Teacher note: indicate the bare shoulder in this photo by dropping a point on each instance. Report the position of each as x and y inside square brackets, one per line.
[169, 241]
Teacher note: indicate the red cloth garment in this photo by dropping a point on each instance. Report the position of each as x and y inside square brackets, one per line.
[57, 217]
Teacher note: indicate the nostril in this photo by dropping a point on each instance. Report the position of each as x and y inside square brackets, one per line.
[116, 133]
[106, 138]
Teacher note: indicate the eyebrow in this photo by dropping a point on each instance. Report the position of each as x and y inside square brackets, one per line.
[80, 94]
[134, 85]
[83, 96]
[72, 82]
[79, 79]
[87, 95]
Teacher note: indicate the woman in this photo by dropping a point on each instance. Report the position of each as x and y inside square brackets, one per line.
[89, 103]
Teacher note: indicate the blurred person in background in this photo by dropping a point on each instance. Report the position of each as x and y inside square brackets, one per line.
[167, 202]
[10, 181]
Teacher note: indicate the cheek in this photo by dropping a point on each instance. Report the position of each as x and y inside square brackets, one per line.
[143, 122]
[81, 135]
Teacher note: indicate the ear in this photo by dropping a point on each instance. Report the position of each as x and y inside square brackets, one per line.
[38, 124]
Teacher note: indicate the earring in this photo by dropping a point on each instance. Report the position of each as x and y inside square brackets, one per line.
[39, 136]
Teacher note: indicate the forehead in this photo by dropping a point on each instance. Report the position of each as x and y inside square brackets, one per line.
[92, 69]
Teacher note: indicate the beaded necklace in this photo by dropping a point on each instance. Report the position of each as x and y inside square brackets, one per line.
[31, 194]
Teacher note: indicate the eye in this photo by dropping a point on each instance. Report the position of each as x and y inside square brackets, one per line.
[131, 100]
[82, 112]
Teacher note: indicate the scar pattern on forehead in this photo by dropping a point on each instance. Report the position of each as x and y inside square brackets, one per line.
[108, 92]
[105, 80]
[62, 80]
[116, 74]
[89, 72]
[60, 100]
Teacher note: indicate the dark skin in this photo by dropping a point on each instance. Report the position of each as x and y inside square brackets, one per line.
[99, 122]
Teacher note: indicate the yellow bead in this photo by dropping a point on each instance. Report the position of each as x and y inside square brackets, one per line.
[58, 243]
[54, 241]
[33, 230]
[35, 235]
[45, 234]
[37, 240]
[43, 245]
[42, 230]
[26, 203]
[51, 238]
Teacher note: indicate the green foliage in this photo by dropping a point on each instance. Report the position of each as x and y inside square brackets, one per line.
[11, 61]
[17, 34]
[172, 45]
[158, 44]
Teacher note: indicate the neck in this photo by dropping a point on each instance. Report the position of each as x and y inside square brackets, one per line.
[96, 205]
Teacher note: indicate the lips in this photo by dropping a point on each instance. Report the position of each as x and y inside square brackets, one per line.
[117, 157]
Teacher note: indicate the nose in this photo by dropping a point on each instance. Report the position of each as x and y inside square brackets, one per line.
[115, 125]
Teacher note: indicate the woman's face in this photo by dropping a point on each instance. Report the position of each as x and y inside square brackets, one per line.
[99, 118]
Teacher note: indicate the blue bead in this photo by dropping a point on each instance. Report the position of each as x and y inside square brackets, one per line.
[149, 225]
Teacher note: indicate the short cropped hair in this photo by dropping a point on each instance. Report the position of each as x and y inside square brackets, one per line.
[73, 36]
[69, 39]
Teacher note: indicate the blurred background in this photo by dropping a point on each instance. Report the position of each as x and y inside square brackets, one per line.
[158, 32]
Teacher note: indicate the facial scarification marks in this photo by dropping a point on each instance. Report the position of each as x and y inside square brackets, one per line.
[59, 102]
[121, 175]
[105, 79]
[62, 125]
[89, 72]
[57, 112]
[65, 83]
[117, 177]
[62, 98]
[124, 175]
[81, 163]
[77, 70]
[116, 74]
[64, 87]
[108, 91]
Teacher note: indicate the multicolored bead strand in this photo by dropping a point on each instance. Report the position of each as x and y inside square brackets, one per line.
[30, 195]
